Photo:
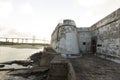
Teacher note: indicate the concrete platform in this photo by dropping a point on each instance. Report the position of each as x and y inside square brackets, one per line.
[90, 67]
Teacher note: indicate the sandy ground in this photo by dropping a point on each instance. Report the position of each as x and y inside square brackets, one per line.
[90, 67]
[2, 74]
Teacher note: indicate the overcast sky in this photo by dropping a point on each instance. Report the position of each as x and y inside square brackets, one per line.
[39, 17]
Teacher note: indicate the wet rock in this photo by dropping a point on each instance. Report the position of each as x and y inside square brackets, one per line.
[36, 57]
[19, 62]
[30, 74]
[48, 49]
[1, 65]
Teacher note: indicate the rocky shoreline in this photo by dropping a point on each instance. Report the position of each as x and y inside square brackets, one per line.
[45, 65]
[23, 46]
[35, 68]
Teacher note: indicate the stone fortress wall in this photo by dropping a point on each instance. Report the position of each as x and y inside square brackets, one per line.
[84, 37]
[102, 38]
[64, 39]
[107, 33]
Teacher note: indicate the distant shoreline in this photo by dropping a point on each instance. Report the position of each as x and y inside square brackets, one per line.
[23, 46]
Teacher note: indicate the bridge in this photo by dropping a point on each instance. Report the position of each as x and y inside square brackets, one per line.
[23, 40]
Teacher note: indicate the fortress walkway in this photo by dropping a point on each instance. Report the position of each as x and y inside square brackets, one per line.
[90, 67]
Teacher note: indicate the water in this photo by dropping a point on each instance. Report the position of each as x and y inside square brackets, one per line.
[10, 54]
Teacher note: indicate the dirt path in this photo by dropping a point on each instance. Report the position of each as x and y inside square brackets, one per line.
[90, 67]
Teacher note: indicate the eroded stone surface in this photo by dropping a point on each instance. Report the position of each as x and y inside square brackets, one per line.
[90, 67]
